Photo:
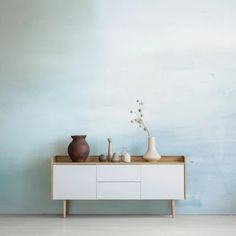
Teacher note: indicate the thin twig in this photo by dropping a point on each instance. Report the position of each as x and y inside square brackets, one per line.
[139, 117]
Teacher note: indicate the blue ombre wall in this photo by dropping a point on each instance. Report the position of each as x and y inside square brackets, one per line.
[77, 67]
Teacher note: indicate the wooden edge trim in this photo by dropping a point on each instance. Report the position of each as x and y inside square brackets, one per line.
[52, 161]
[185, 179]
[136, 160]
[119, 163]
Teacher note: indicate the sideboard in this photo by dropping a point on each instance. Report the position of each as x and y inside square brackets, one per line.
[137, 180]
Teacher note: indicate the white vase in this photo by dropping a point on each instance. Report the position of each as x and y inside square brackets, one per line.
[152, 154]
[125, 157]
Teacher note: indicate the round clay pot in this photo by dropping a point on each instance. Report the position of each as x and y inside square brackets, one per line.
[78, 149]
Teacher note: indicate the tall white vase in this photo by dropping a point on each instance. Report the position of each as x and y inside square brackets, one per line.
[152, 154]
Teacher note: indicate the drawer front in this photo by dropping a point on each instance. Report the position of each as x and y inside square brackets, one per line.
[162, 182]
[118, 191]
[74, 182]
[118, 173]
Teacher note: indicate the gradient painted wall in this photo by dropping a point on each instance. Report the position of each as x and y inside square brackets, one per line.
[77, 67]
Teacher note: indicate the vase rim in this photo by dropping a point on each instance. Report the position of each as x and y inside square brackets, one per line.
[79, 136]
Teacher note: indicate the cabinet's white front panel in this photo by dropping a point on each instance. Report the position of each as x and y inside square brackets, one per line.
[118, 173]
[115, 190]
[74, 182]
[162, 182]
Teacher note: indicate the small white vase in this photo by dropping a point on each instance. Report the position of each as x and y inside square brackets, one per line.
[152, 154]
[125, 157]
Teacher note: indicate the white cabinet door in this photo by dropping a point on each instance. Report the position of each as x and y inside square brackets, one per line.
[162, 182]
[118, 173]
[74, 182]
[115, 190]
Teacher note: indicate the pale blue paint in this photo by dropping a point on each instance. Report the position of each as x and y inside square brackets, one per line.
[71, 67]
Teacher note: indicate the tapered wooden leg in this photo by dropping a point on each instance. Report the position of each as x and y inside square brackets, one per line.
[173, 208]
[64, 208]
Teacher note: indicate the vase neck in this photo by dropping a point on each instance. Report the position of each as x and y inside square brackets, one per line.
[78, 137]
[151, 142]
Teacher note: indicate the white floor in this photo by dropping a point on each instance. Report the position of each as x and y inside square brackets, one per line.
[118, 225]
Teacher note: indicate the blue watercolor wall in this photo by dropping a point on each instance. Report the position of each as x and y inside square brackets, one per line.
[77, 67]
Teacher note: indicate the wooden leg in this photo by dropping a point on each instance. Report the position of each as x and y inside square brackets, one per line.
[173, 208]
[64, 208]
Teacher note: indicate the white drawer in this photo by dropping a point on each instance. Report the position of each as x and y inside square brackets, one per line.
[117, 190]
[118, 173]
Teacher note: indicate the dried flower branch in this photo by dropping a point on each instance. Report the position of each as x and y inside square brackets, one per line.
[139, 117]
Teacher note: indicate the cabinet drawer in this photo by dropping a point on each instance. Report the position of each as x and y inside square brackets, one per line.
[117, 190]
[118, 173]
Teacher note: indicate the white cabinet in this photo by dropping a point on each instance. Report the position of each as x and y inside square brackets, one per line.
[137, 180]
[74, 182]
[162, 182]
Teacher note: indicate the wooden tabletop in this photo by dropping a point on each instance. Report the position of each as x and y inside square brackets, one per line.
[135, 160]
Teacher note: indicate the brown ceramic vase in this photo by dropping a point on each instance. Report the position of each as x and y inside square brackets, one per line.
[78, 149]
